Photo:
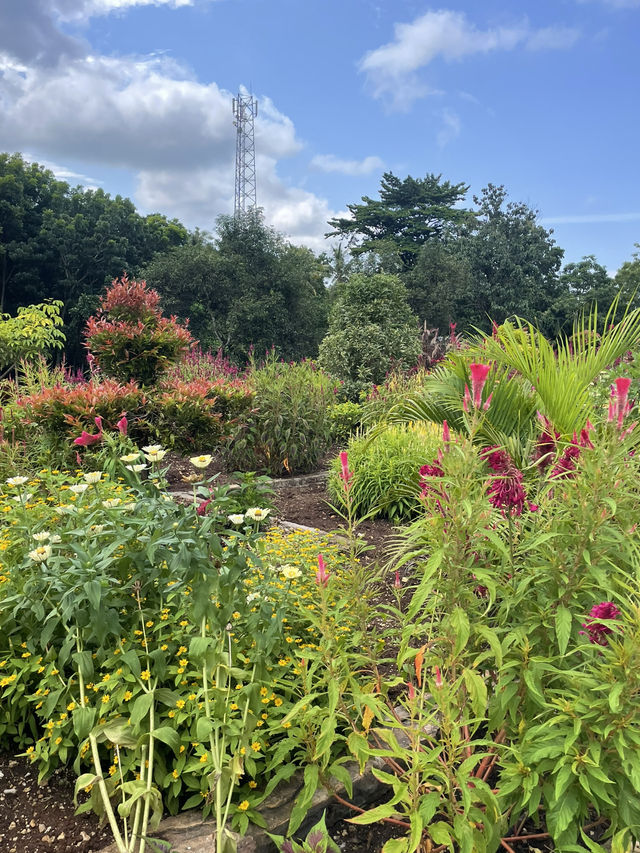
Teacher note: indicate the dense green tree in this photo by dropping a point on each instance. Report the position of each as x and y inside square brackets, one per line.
[371, 329]
[189, 282]
[249, 288]
[581, 285]
[275, 291]
[58, 242]
[627, 280]
[27, 191]
[409, 213]
[439, 284]
[514, 263]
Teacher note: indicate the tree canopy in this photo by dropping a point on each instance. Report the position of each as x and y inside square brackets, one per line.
[408, 213]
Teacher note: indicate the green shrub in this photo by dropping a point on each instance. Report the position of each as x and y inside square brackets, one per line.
[288, 429]
[386, 469]
[345, 420]
[195, 415]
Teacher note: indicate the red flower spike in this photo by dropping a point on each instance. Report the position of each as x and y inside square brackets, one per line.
[446, 435]
[322, 575]
[123, 425]
[479, 373]
[438, 677]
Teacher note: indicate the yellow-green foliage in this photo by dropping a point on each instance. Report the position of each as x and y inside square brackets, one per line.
[386, 467]
[33, 331]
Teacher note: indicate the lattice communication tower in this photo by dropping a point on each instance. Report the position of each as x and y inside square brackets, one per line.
[245, 109]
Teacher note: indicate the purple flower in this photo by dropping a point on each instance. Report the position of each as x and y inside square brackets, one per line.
[596, 629]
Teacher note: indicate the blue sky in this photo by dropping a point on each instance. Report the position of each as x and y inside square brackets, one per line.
[135, 96]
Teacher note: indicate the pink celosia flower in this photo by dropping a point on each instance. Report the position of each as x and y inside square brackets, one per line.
[322, 575]
[345, 475]
[98, 422]
[596, 629]
[438, 677]
[412, 691]
[446, 434]
[479, 373]
[86, 440]
[619, 400]
[123, 425]
[506, 491]
[397, 583]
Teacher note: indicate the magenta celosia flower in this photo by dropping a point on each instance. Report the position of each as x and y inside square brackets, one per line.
[86, 440]
[322, 575]
[397, 582]
[123, 424]
[412, 691]
[596, 629]
[345, 475]
[506, 491]
[98, 422]
[438, 677]
[619, 400]
[446, 434]
[479, 373]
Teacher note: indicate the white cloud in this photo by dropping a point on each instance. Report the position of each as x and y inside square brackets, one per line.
[553, 38]
[64, 173]
[74, 10]
[392, 68]
[450, 128]
[331, 163]
[175, 134]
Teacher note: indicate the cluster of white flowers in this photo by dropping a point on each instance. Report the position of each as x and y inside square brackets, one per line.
[154, 452]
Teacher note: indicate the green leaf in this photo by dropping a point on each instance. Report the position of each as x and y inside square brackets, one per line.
[374, 815]
[425, 587]
[563, 622]
[141, 707]
[169, 736]
[83, 721]
[204, 727]
[460, 623]
[477, 691]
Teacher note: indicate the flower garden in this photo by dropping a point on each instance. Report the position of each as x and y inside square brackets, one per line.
[193, 654]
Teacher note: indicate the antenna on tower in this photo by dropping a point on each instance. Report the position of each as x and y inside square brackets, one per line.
[245, 109]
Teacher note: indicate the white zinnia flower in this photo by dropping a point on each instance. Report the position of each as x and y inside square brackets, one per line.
[55, 539]
[39, 555]
[42, 536]
[290, 572]
[257, 514]
[79, 488]
[17, 481]
[252, 597]
[236, 518]
[24, 497]
[156, 455]
[93, 477]
[136, 468]
[201, 461]
[130, 457]
[152, 448]
[111, 502]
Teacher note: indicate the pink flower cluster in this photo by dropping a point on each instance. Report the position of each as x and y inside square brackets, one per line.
[597, 629]
[85, 439]
[506, 491]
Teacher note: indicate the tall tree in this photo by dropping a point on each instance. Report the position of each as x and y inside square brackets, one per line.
[409, 213]
[439, 283]
[581, 286]
[514, 263]
[27, 191]
[627, 280]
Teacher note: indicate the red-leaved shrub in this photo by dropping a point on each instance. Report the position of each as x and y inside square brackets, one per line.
[130, 339]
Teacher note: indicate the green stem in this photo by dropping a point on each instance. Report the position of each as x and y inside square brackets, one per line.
[113, 823]
[138, 810]
[147, 804]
